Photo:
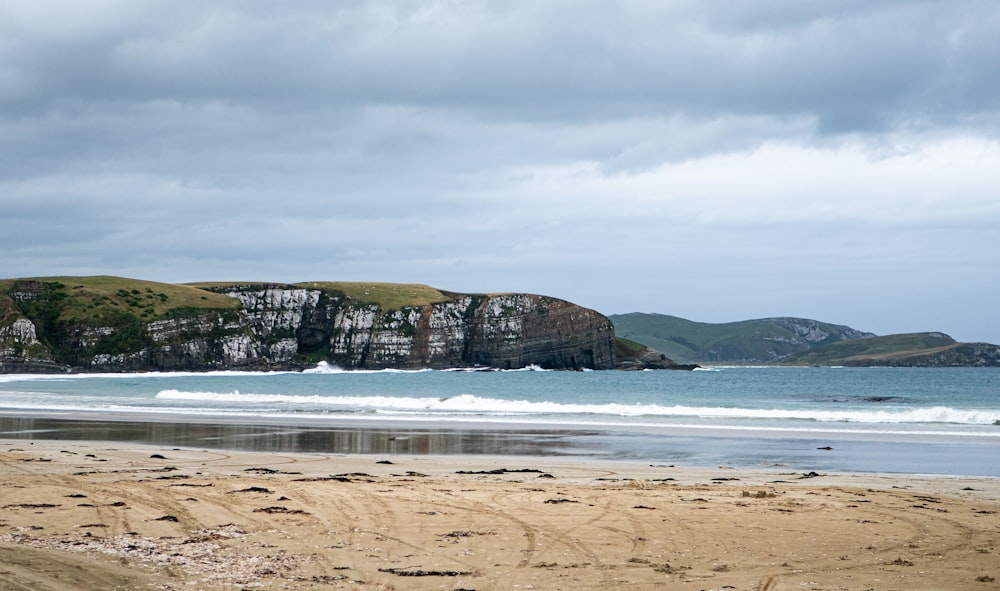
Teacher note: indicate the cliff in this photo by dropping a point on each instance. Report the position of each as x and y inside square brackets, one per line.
[114, 324]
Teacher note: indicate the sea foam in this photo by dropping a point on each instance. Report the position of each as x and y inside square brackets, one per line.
[468, 403]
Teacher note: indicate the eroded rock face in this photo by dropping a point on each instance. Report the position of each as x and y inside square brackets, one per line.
[505, 331]
[17, 339]
[22, 352]
[282, 326]
[813, 332]
[517, 330]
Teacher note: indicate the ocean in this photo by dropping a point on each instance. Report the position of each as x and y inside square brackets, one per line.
[908, 420]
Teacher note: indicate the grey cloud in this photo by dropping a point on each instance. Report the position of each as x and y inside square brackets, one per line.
[852, 66]
[716, 159]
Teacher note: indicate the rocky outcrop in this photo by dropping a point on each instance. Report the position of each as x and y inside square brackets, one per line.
[647, 358]
[803, 331]
[20, 349]
[289, 326]
[17, 339]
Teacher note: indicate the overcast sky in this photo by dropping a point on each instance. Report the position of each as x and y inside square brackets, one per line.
[713, 160]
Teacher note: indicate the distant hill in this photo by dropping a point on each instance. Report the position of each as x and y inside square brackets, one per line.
[763, 340]
[925, 349]
[797, 341]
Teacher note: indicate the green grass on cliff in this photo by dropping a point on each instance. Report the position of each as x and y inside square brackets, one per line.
[389, 296]
[626, 349]
[89, 298]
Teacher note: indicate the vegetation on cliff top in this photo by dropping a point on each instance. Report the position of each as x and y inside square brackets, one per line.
[63, 308]
[388, 296]
[624, 348]
[86, 299]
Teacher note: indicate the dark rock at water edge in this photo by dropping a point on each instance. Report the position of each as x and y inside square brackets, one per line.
[648, 358]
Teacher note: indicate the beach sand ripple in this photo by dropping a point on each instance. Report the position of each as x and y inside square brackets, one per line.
[110, 516]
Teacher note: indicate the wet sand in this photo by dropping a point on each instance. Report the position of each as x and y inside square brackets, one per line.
[868, 452]
[118, 515]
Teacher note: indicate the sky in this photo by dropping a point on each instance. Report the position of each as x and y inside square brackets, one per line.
[709, 159]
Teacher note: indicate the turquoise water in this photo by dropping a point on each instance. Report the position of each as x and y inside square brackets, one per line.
[954, 401]
[928, 421]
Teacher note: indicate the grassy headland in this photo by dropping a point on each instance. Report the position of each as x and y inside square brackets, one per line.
[83, 299]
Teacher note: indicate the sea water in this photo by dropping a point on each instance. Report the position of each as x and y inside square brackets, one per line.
[718, 414]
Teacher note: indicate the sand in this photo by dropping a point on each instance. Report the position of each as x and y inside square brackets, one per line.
[103, 516]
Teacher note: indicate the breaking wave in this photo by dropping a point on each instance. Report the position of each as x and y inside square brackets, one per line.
[465, 404]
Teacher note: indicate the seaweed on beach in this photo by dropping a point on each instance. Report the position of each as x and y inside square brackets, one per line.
[260, 470]
[251, 489]
[323, 479]
[347, 477]
[280, 509]
[402, 572]
[172, 518]
[501, 471]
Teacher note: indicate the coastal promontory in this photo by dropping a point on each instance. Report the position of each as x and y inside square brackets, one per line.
[113, 324]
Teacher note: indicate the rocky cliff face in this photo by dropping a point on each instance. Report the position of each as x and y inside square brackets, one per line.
[288, 326]
[20, 349]
[501, 331]
[810, 332]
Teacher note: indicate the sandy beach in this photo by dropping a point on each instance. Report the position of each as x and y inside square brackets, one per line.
[107, 515]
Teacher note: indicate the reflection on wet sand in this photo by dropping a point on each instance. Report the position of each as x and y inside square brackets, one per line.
[804, 452]
[290, 439]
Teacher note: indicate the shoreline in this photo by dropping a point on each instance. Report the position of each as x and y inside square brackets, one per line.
[91, 515]
[693, 447]
[577, 469]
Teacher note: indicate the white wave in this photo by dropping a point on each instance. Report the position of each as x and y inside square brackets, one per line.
[324, 368]
[468, 403]
[532, 367]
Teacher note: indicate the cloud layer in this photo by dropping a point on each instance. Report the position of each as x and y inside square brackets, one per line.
[839, 161]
